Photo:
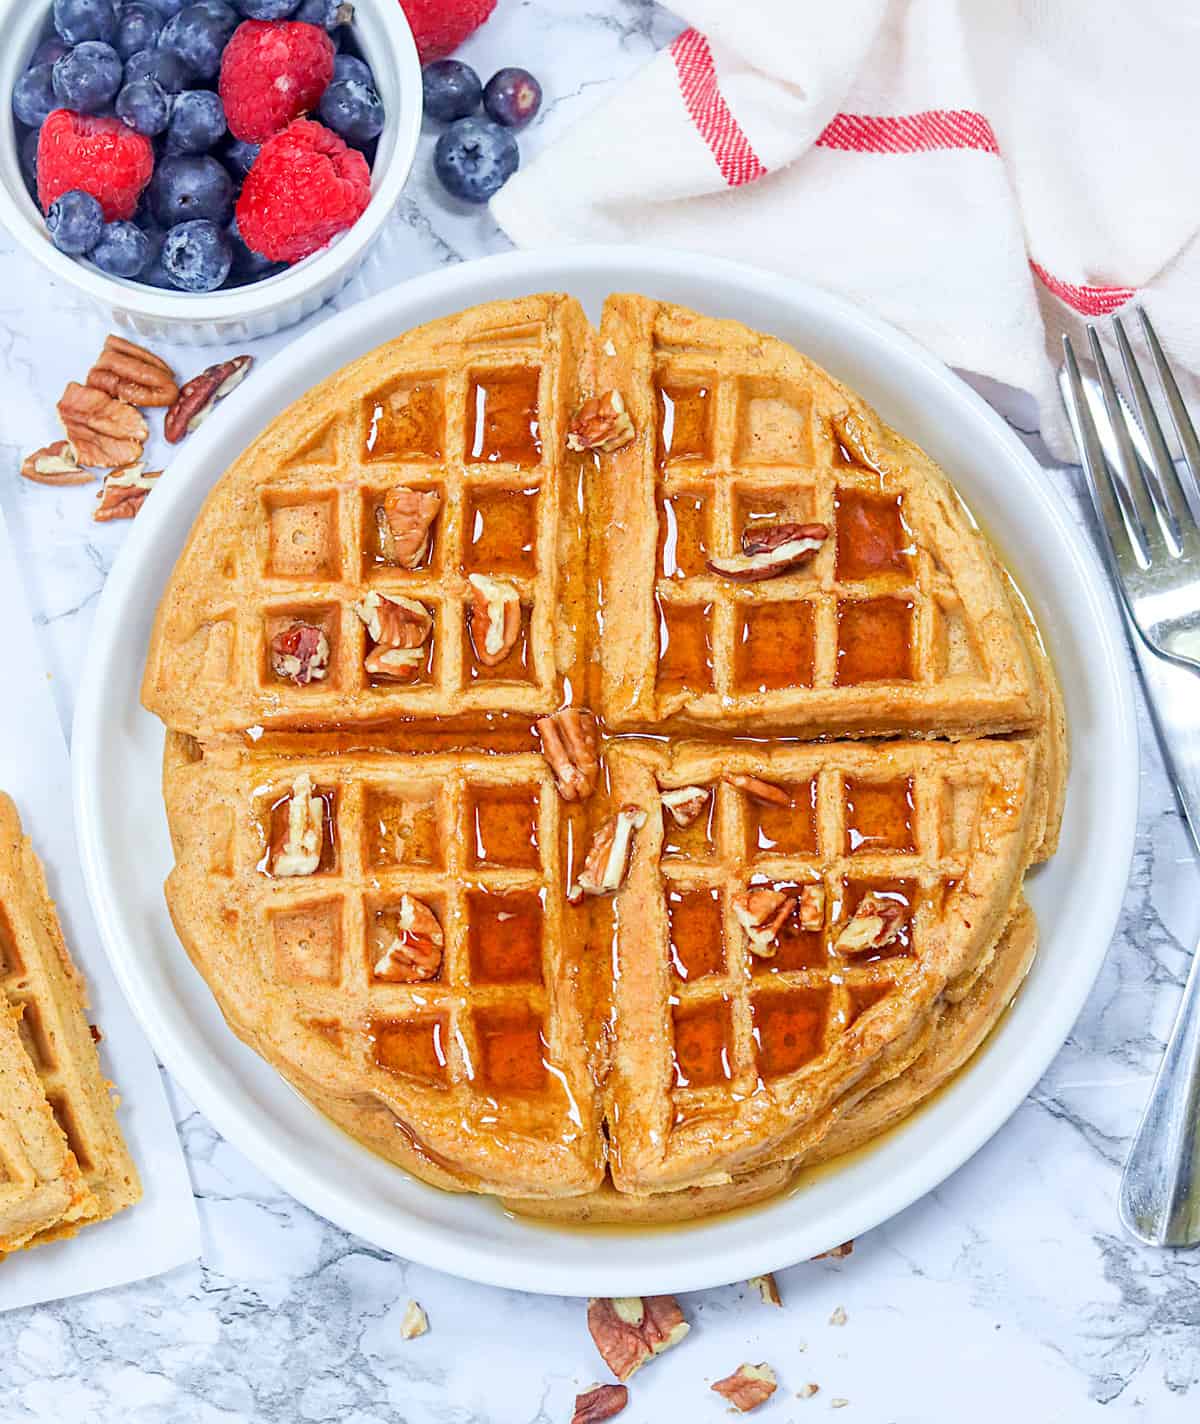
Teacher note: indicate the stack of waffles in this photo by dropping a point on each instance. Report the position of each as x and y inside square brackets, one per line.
[63, 1162]
[602, 765]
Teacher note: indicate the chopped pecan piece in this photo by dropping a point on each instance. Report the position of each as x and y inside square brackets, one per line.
[301, 653]
[767, 1288]
[876, 923]
[414, 951]
[571, 745]
[196, 399]
[628, 1330]
[686, 804]
[748, 1387]
[839, 1316]
[765, 792]
[493, 618]
[104, 432]
[124, 492]
[131, 373]
[808, 1390]
[762, 912]
[405, 524]
[399, 628]
[769, 550]
[607, 863]
[812, 907]
[601, 423]
[299, 851]
[836, 1253]
[56, 464]
[601, 1401]
[856, 441]
[414, 1323]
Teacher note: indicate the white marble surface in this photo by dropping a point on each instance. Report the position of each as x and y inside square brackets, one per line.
[1010, 1288]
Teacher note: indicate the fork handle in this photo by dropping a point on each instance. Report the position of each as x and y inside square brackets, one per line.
[1160, 1187]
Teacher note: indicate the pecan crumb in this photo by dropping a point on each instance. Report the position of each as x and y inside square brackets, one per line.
[686, 804]
[748, 1386]
[812, 908]
[55, 464]
[839, 1316]
[876, 923]
[413, 950]
[598, 1402]
[629, 1330]
[767, 1288]
[197, 397]
[300, 653]
[808, 1391]
[836, 1252]
[838, 1403]
[601, 423]
[607, 863]
[571, 745]
[414, 1323]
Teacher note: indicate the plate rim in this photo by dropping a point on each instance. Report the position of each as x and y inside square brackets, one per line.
[436, 1246]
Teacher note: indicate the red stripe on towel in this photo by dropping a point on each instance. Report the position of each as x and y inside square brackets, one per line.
[909, 133]
[710, 113]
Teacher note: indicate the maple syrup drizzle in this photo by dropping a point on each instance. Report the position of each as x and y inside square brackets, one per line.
[512, 1057]
[784, 830]
[685, 646]
[774, 646]
[866, 996]
[879, 815]
[412, 1048]
[873, 539]
[503, 417]
[504, 937]
[503, 829]
[500, 532]
[405, 424]
[874, 641]
[400, 830]
[685, 415]
[703, 1039]
[695, 940]
[695, 842]
[682, 536]
[789, 1029]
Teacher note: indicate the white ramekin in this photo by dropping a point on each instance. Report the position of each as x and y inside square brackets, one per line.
[241, 313]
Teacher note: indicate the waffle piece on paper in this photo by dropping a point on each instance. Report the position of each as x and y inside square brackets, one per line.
[468, 1029]
[39, 982]
[897, 623]
[464, 422]
[722, 1051]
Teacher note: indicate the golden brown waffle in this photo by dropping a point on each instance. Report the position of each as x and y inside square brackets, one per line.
[900, 623]
[376, 871]
[39, 982]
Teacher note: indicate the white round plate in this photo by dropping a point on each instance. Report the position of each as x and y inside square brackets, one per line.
[126, 851]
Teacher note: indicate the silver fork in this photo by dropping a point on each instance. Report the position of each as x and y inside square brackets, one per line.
[1151, 542]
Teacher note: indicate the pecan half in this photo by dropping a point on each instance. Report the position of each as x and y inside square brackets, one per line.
[765, 792]
[601, 1401]
[300, 653]
[405, 524]
[131, 373]
[124, 492]
[601, 423]
[104, 432]
[629, 1330]
[56, 464]
[812, 907]
[399, 628]
[748, 1387]
[414, 1323]
[876, 923]
[762, 912]
[413, 951]
[197, 398]
[571, 746]
[608, 860]
[493, 618]
[298, 851]
[686, 804]
[769, 550]
[767, 1289]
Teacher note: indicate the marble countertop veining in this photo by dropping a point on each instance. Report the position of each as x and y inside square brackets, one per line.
[1012, 1286]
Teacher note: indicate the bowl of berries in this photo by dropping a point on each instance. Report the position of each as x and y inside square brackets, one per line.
[207, 171]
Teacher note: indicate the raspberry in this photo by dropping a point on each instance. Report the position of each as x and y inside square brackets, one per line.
[100, 156]
[440, 26]
[306, 186]
[272, 72]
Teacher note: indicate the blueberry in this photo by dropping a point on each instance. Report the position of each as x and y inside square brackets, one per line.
[79, 20]
[124, 250]
[349, 66]
[48, 51]
[248, 265]
[144, 106]
[352, 110]
[167, 8]
[512, 97]
[474, 158]
[197, 256]
[33, 95]
[29, 157]
[75, 222]
[329, 14]
[265, 9]
[160, 65]
[239, 158]
[197, 35]
[452, 90]
[138, 25]
[186, 187]
[197, 122]
[88, 78]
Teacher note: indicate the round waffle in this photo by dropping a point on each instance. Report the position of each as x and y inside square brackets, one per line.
[647, 959]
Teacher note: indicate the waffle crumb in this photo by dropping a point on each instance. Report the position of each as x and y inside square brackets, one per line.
[415, 1322]
[808, 1391]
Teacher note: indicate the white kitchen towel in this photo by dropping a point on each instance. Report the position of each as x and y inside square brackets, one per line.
[984, 174]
